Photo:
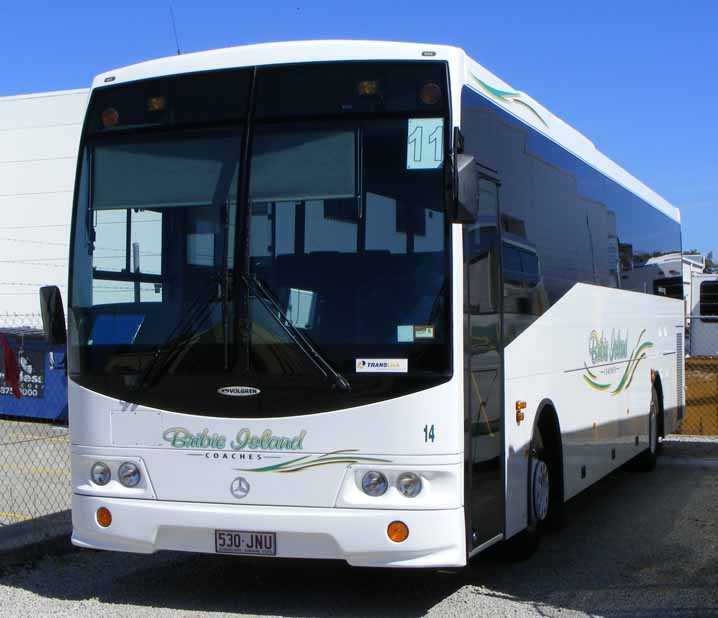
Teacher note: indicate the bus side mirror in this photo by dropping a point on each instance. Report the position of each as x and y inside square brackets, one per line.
[466, 190]
[53, 315]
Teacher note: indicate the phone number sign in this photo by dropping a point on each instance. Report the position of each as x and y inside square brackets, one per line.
[32, 374]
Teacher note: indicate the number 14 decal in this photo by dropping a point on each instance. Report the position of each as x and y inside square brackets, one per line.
[428, 433]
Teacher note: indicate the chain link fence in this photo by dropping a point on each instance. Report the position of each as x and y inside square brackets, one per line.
[35, 478]
[701, 377]
[34, 444]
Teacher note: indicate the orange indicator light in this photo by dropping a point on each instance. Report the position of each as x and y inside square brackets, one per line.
[104, 517]
[520, 407]
[398, 531]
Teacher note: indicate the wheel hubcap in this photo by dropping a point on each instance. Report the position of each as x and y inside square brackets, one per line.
[541, 490]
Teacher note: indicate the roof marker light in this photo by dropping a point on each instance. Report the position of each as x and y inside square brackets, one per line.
[110, 117]
[367, 88]
[156, 104]
[430, 94]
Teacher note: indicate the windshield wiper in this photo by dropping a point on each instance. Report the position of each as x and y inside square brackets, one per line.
[181, 339]
[266, 298]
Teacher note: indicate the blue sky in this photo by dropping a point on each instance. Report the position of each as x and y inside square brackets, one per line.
[639, 78]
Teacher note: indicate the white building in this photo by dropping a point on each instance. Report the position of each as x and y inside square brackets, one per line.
[39, 136]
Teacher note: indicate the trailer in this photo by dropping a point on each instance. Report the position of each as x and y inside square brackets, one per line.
[703, 319]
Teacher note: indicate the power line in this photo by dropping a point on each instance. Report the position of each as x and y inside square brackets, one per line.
[34, 261]
[35, 193]
[34, 264]
[25, 284]
[32, 227]
[34, 242]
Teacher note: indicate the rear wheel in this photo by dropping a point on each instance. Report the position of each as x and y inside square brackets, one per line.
[646, 461]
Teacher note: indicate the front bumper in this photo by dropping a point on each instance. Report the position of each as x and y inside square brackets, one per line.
[358, 536]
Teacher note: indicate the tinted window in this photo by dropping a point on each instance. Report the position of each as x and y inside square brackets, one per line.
[195, 98]
[348, 87]
[512, 259]
[709, 299]
[585, 227]
[529, 263]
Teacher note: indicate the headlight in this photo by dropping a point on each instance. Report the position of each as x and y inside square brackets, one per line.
[374, 483]
[409, 484]
[100, 473]
[129, 474]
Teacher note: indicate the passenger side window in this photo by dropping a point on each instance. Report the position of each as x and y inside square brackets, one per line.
[709, 300]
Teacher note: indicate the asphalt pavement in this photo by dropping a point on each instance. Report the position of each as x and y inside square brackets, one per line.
[643, 545]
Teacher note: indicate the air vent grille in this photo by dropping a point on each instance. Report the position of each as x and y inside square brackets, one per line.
[680, 390]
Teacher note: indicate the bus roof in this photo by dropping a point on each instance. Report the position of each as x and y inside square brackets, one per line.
[471, 74]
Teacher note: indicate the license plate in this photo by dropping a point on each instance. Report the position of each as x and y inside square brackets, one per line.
[242, 542]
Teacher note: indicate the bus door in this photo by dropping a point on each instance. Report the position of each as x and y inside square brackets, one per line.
[483, 390]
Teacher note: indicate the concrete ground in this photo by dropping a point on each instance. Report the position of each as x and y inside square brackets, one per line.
[639, 545]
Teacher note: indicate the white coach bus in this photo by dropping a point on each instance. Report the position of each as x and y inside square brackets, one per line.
[352, 300]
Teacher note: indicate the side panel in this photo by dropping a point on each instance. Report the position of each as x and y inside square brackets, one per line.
[602, 404]
[585, 318]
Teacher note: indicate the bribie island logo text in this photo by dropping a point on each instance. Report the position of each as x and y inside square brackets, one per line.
[604, 351]
[179, 437]
[613, 351]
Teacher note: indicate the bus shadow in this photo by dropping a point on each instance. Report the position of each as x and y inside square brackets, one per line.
[635, 545]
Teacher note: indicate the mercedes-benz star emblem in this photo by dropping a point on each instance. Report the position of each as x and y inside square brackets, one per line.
[239, 487]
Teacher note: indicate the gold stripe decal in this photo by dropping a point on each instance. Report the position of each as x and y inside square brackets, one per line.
[345, 457]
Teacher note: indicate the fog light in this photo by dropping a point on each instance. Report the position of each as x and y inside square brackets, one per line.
[398, 531]
[374, 484]
[129, 474]
[100, 473]
[104, 517]
[409, 484]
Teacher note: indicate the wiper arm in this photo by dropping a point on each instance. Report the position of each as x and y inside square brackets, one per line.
[179, 340]
[267, 300]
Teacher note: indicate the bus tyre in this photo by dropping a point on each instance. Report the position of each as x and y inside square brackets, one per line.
[646, 461]
[539, 494]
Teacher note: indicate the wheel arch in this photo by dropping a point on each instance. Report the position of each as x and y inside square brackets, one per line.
[658, 385]
[546, 422]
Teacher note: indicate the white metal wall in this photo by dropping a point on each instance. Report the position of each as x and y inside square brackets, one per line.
[39, 135]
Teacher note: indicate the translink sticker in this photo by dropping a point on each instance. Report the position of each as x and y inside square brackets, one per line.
[382, 365]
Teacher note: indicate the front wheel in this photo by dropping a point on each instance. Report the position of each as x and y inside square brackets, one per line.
[539, 494]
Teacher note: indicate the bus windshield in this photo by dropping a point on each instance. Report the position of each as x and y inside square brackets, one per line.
[318, 254]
